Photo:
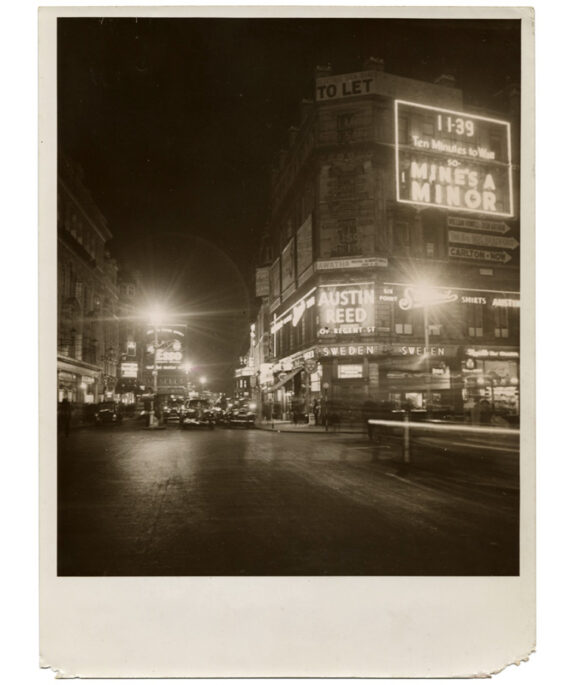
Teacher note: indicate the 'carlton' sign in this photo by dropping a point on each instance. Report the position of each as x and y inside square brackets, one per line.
[452, 160]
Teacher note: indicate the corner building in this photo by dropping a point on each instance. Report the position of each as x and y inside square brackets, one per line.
[395, 241]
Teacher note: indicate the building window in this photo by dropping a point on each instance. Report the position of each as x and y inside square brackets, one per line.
[403, 323]
[434, 329]
[344, 127]
[402, 237]
[475, 320]
[501, 316]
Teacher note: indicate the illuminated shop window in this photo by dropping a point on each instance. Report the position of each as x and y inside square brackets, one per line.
[475, 320]
[501, 315]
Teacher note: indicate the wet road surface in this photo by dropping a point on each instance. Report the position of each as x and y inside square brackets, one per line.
[251, 502]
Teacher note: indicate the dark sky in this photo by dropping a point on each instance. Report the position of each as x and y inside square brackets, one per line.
[177, 122]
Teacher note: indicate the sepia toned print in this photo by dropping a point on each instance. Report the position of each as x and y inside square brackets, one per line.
[288, 297]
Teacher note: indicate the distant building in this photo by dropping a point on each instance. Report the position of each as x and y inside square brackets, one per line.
[394, 236]
[131, 338]
[87, 294]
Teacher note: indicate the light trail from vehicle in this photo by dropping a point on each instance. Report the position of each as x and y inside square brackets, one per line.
[448, 427]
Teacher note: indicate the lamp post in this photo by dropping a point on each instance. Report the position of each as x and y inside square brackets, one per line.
[203, 381]
[425, 295]
[326, 405]
[427, 354]
[155, 320]
[187, 368]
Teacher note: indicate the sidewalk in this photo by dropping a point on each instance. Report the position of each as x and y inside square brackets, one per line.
[280, 426]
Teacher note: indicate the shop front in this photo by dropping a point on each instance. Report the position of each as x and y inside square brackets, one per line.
[490, 380]
[78, 382]
[411, 376]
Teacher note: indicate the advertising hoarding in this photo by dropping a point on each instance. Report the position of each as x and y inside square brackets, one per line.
[346, 309]
[262, 281]
[170, 352]
[452, 160]
[287, 266]
[305, 245]
[348, 371]
[129, 369]
[274, 281]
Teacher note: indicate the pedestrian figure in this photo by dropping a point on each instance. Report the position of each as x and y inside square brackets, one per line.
[65, 416]
[316, 411]
[486, 411]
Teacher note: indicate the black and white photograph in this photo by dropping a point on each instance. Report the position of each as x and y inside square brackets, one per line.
[288, 297]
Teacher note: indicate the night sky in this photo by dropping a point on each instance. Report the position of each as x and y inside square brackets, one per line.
[177, 124]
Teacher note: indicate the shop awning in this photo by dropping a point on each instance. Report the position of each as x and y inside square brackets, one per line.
[284, 380]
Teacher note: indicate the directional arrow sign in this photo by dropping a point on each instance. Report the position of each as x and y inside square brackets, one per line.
[497, 256]
[485, 240]
[478, 224]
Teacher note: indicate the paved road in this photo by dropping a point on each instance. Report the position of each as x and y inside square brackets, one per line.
[250, 502]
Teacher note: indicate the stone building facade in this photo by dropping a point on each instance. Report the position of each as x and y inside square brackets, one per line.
[87, 295]
[395, 242]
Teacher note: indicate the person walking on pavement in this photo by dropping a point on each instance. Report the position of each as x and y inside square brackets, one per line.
[65, 416]
[316, 411]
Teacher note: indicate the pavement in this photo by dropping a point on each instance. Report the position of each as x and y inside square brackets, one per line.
[244, 502]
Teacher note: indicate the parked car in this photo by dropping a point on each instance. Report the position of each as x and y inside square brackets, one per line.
[171, 412]
[197, 413]
[108, 413]
[242, 414]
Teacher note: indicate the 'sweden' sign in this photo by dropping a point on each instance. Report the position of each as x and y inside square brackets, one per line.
[452, 160]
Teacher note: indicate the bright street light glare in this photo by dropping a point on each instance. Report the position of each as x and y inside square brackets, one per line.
[156, 315]
[202, 379]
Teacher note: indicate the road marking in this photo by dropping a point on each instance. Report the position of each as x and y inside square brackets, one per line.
[476, 445]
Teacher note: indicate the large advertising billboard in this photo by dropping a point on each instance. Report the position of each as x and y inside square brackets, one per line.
[305, 246]
[452, 160]
[346, 309]
[287, 266]
[170, 350]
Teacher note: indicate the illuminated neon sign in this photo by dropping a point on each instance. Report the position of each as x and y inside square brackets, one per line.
[295, 313]
[347, 308]
[452, 160]
[416, 297]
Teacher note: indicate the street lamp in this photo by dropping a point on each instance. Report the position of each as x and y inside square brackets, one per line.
[426, 295]
[155, 318]
[203, 381]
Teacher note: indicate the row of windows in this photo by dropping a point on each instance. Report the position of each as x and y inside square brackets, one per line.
[72, 222]
[479, 322]
[499, 323]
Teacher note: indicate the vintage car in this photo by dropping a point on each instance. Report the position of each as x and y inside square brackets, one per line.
[242, 414]
[171, 412]
[197, 413]
[108, 413]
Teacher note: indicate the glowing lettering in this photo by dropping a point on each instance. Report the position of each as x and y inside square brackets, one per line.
[420, 193]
